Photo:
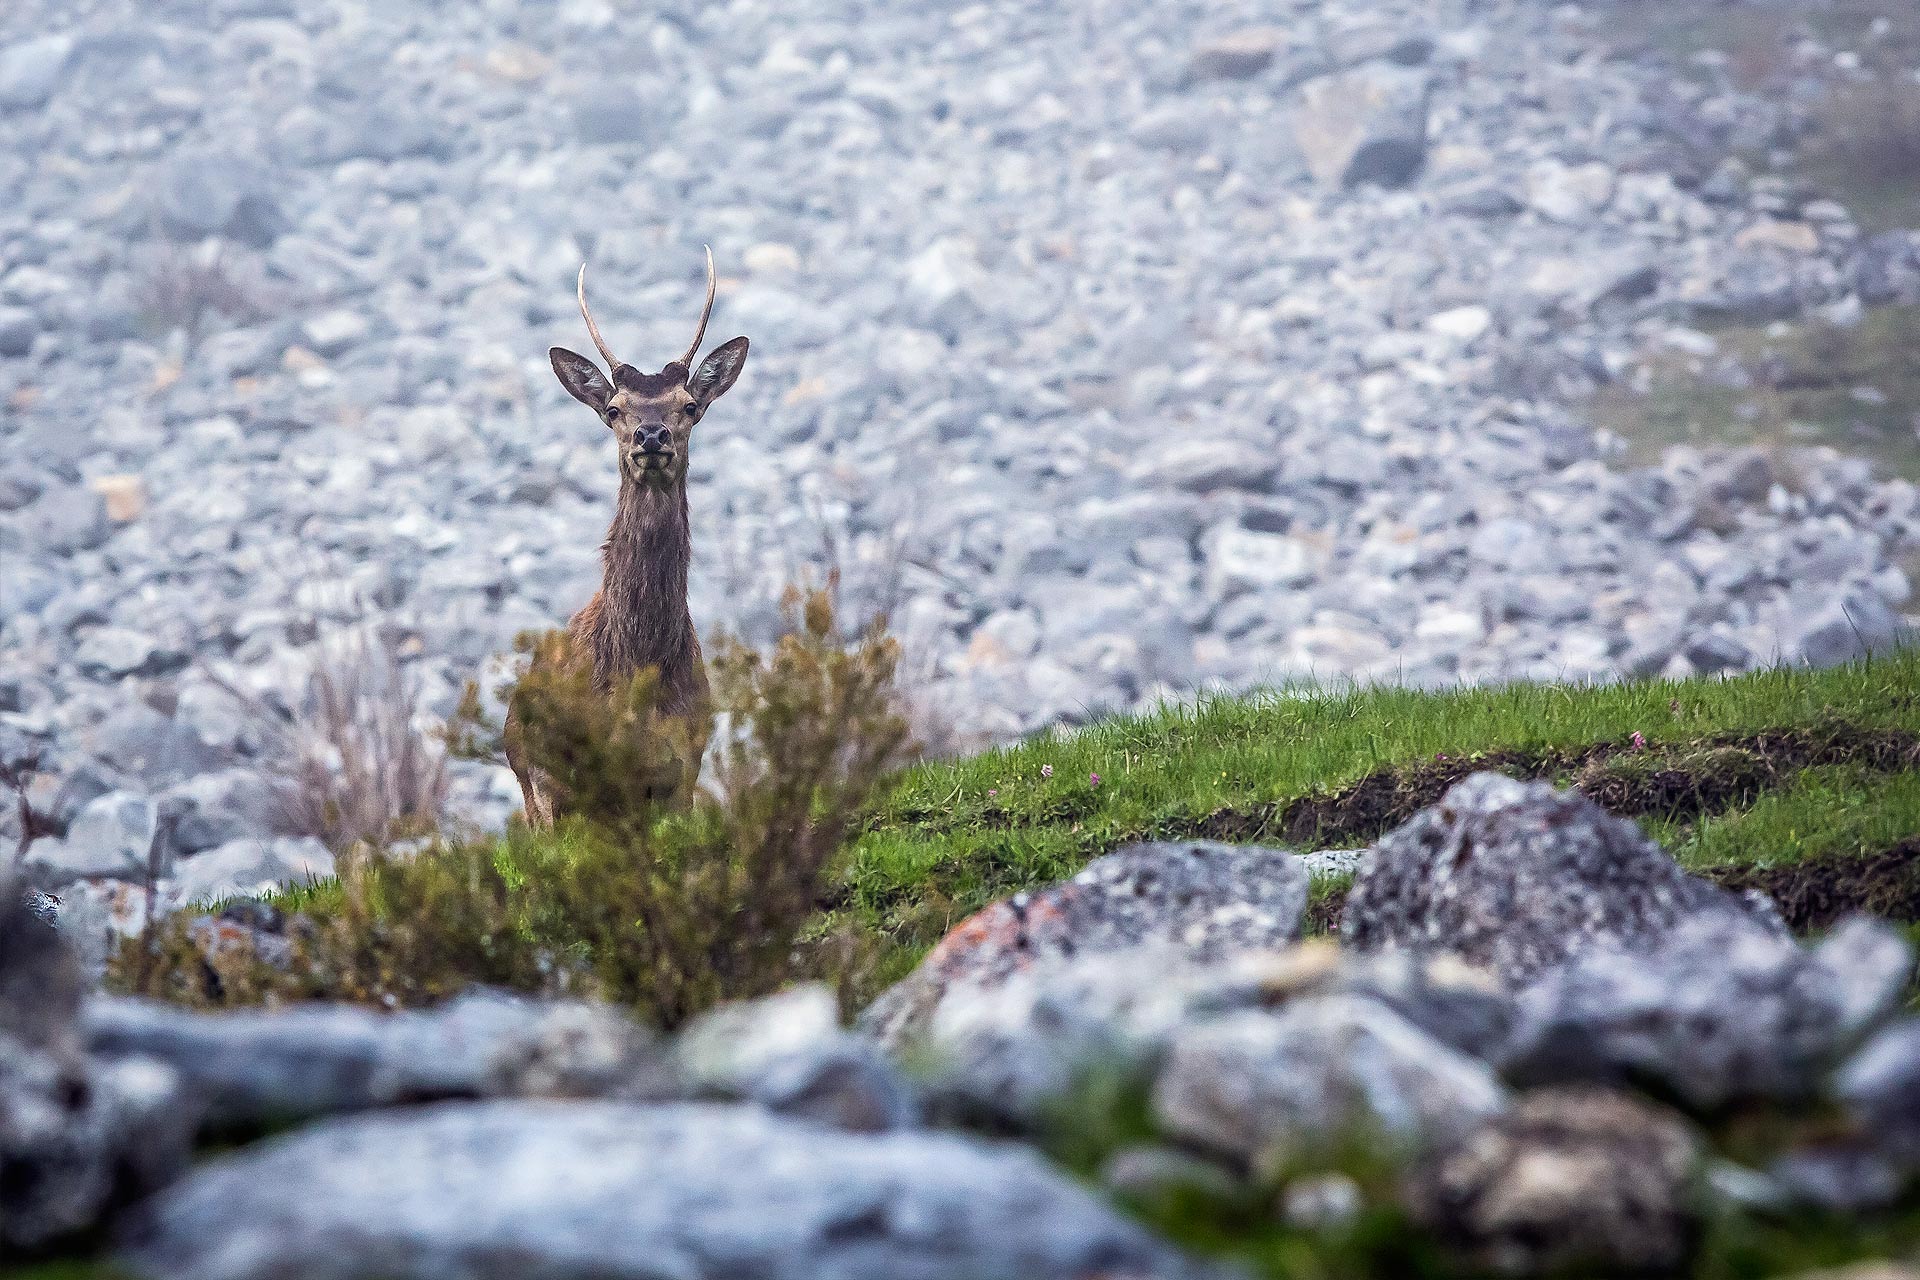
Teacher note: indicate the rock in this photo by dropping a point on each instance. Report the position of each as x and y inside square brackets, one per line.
[690, 1189]
[250, 1069]
[113, 653]
[203, 192]
[1880, 1089]
[18, 328]
[1203, 466]
[1569, 193]
[332, 334]
[77, 1137]
[1516, 877]
[1792, 237]
[1718, 1010]
[125, 496]
[1152, 1175]
[1886, 268]
[1238, 55]
[1569, 1179]
[1850, 625]
[217, 808]
[112, 837]
[1239, 560]
[43, 907]
[1201, 900]
[1367, 125]
[247, 868]
[789, 1053]
[31, 69]
[1268, 1089]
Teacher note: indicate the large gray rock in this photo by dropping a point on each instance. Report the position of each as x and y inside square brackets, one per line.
[1200, 900]
[1880, 1087]
[542, 1191]
[789, 1053]
[253, 1068]
[112, 836]
[1569, 1179]
[1515, 877]
[1887, 268]
[77, 1136]
[31, 70]
[1719, 1010]
[1366, 125]
[1269, 1088]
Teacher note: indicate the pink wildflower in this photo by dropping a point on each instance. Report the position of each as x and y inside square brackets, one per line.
[1639, 741]
[993, 791]
[1046, 771]
[1094, 778]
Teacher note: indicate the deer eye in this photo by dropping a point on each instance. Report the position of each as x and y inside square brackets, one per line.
[691, 409]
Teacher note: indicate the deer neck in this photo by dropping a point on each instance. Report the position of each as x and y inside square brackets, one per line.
[644, 619]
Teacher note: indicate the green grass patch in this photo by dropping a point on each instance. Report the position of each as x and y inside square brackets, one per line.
[949, 838]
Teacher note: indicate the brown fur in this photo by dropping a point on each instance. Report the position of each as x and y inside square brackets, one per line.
[639, 617]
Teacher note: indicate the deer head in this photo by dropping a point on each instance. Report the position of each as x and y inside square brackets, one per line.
[651, 414]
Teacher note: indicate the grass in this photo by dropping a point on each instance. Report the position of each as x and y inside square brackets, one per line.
[1856, 388]
[948, 838]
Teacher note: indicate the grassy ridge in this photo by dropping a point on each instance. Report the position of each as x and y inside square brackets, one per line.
[950, 837]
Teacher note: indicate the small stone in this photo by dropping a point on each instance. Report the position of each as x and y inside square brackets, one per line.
[771, 259]
[1791, 237]
[1367, 125]
[1238, 55]
[18, 328]
[125, 496]
[1462, 323]
[333, 333]
[31, 69]
[1569, 193]
[113, 653]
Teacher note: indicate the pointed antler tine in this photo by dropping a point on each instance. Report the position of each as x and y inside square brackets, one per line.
[700, 334]
[581, 290]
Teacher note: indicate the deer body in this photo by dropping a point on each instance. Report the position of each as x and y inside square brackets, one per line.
[639, 617]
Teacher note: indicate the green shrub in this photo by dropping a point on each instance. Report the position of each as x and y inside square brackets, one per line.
[667, 912]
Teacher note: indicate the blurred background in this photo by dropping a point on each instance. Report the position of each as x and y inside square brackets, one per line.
[1116, 349]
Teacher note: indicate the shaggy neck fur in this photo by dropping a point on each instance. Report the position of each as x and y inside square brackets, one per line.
[642, 619]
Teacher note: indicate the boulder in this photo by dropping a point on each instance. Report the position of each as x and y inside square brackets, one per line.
[542, 1190]
[1568, 1179]
[1880, 1089]
[1366, 125]
[30, 70]
[1237, 55]
[254, 1068]
[789, 1053]
[1721, 1009]
[1202, 900]
[77, 1136]
[1269, 1088]
[112, 836]
[1516, 877]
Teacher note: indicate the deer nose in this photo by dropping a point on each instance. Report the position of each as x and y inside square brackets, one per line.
[653, 440]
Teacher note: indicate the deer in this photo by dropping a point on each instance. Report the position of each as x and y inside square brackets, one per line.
[639, 616]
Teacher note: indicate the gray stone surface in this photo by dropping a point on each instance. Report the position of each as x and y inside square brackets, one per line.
[1367, 125]
[253, 1068]
[1516, 877]
[1267, 1088]
[1880, 1087]
[789, 1053]
[1719, 1010]
[1198, 899]
[539, 1191]
[1569, 1179]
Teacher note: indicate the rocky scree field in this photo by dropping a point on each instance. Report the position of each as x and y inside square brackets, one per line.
[1113, 358]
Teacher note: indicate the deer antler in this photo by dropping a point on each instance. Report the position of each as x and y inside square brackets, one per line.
[593, 328]
[699, 335]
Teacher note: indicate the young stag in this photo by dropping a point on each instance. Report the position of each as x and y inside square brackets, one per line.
[639, 617]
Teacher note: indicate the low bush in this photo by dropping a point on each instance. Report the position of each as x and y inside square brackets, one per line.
[668, 912]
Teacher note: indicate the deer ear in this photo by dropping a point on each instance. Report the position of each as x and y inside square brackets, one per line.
[717, 372]
[582, 378]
